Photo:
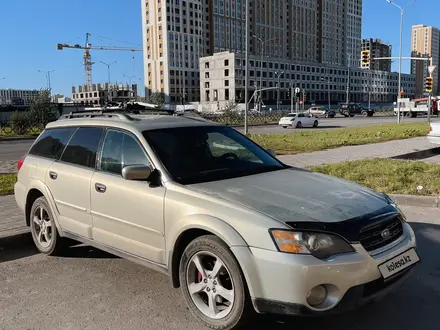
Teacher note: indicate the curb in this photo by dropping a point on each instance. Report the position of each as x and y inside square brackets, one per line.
[420, 201]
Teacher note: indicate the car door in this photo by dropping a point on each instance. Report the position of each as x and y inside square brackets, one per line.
[68, 180]
[127, 215]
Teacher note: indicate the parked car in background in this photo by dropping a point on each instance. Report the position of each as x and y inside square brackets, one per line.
[320, 112]
[352, 109]
[298, 120]
[434, 132]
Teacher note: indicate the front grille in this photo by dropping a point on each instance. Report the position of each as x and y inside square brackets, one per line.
[375, 236]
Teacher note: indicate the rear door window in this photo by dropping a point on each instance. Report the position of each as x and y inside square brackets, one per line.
[83, 146]
[52, 142]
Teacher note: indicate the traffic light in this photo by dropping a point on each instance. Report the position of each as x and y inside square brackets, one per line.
[429, 84]
[365, 58]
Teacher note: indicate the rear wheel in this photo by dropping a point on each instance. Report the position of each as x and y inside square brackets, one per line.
[299, 125]
[43, 229]
[213, 285]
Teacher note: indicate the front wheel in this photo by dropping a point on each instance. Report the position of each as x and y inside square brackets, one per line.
[213, 284]
[299, 125]
[315, 124]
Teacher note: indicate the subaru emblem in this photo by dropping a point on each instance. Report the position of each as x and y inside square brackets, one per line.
[385, 234]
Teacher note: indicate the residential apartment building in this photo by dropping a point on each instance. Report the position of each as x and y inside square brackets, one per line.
[222, 81]
[425, 42]
[377, 49]
[177, 33]
[101, 94]
[18, 97]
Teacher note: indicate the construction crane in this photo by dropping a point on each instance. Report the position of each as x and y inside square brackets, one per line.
[87, 57]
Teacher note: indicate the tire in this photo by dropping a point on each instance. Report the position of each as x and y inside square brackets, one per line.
[299, 125]
[370, 114]
[204, 249]
[364, 114]
[315, 124]
[351, 115]
[284, 126]
[41, 215]
[413, 114]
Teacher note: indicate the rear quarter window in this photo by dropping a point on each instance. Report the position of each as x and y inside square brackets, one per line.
[51, 142]
[83, 146]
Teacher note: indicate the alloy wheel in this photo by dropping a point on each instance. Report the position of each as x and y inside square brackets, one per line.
[210, 285]
[42, 226]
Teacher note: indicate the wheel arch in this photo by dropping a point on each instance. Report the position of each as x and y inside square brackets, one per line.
[191, 227]
[37, 189]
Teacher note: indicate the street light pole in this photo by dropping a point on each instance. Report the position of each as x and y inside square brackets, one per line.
[348, 79]
[328, 91]
[47, 73]
[108, 78]
[278, 88]
[402, 10]
[246, 80]
[262, 44]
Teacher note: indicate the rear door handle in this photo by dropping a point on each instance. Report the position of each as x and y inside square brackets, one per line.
[99, 187]
[53, 175]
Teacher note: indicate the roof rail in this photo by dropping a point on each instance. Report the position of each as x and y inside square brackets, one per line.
[94, 114]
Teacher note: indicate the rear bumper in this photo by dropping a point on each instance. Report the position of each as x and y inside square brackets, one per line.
[20, 195]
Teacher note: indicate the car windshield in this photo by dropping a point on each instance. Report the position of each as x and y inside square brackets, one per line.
[291, 115]
[208, 153]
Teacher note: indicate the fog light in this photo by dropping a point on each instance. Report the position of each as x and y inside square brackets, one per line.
[317, 295]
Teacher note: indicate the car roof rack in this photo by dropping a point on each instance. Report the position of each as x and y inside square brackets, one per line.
[95, 114]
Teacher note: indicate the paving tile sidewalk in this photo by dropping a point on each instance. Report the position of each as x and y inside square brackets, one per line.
[366, 151]
[11, 218]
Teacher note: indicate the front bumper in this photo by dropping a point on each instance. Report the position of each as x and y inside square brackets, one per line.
[279, 282]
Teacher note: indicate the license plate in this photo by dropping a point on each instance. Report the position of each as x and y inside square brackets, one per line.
[399, 263]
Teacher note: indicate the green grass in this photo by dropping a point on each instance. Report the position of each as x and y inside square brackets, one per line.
[311, 140]
[7, 132]
[7, 182]
[388, 175]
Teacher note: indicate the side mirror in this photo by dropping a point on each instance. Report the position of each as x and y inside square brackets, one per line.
[271, 152]
[136, 172]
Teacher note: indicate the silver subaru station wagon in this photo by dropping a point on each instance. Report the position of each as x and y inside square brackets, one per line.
[236, 229]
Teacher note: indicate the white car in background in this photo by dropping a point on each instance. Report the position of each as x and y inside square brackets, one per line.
[434, 133]
[298, 120]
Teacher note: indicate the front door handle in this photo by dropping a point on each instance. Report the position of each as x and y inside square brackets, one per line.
[53, 175]
[99, 187]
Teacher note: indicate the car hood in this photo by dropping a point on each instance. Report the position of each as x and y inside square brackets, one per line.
[296, 194]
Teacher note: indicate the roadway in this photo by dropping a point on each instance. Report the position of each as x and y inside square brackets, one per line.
[332, 123]
[90, 289]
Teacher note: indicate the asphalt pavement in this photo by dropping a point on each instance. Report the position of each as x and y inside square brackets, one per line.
[90, 289]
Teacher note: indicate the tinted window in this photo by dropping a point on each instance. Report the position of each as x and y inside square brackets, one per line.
[83, 146]
[291, 115]
[120, 150]
[52, 142]
[208, 153]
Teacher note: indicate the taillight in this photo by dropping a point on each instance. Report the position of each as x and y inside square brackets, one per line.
[430, 128]
[20, 163]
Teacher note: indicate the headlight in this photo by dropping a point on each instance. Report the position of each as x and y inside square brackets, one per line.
[320, 245]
